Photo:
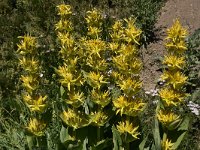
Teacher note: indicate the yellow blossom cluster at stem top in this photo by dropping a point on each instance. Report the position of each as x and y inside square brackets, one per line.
[27, 50]
[89, 54]
[172, 94]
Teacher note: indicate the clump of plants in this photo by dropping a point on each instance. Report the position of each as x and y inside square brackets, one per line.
[101, 101]
[172, 95]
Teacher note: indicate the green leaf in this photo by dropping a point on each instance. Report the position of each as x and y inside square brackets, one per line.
[62, 90]
[142, 144]
[185, 124]
[156, 135]
[101, 145]
[178, 142]
[117, 141]
[64, 135]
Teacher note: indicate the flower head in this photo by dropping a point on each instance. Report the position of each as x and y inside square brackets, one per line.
[167, 144]
[168, 119]
[100, 98]
[75, 99]
[174, 78]
[174, 62]
[176, 32]
[30, 82]
[64, 10]
[36, 127]
[171, 97]
[99, 118]
[37, 104]
[127, 127]
[130, 86]
[128, 106]
[27, 44]
[74, 118]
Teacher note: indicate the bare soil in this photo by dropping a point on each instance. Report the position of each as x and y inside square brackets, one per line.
[188, 12]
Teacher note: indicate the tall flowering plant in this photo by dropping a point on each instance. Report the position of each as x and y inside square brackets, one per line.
[172, 94]
[33, 97]
[125, 75]
[92, 68]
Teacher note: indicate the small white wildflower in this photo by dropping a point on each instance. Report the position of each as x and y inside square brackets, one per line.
[41, 75]
[147, 92]
[155, 102]
[194, 107]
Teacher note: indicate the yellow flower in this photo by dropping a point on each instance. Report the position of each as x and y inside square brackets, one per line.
[36, 127]
[75, 99]
[167, 145]
[128, 50]
[94, 18]
[176, 32]
[94, 31]
[68, 79]
[95, 79]
[100, 98]
[64, 10]
[128, 106]
[99, 118]
[96, 63]
[37, 103]
[179, 47]
[174, 62]
[64, 25]
[171, 97]
[94, 47]
[130, 86]
[114, 46]
[67, 41]
[30, 83]
[174, 78]
[132, 34]
[27, 44]
[29, 65]
[74, 118]
[168, 119]
[118, 31]
[128, 127]
[126, 65]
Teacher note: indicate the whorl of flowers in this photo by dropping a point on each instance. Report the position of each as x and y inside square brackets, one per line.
[174, 61]
[28, 58]
[70, 76]
[172, 94]
[126, 69]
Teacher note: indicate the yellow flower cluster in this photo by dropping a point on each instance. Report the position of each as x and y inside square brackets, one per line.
[36, 127]
[168, 119]
[173, 95]
[87, 62]
[127, 127]
[126, 69]
[37, 103]
[70, 76]
[77, 55]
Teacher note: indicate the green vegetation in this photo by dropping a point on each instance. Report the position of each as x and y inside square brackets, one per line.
[70, 78]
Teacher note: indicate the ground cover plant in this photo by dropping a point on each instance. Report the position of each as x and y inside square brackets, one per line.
[87, 93]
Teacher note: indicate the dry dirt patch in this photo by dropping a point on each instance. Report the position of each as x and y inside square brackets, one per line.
[188, 12]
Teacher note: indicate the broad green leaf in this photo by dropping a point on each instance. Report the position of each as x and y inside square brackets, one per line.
[142, 144]
[185, 124]
[156, 135]
[62, 90]
[101, 145]
[178, 142]
[117, 141]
